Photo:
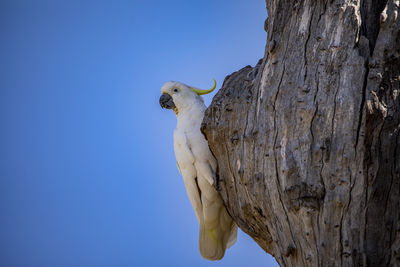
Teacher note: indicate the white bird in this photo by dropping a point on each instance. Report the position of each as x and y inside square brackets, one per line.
[198, 168]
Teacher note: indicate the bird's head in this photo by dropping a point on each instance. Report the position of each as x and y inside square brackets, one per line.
[178, 96]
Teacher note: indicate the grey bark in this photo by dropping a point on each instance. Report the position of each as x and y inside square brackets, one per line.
[307, 141]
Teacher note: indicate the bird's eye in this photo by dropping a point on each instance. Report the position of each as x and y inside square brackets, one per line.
[176, 90]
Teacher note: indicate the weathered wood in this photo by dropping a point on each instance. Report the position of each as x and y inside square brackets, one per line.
[308, 142]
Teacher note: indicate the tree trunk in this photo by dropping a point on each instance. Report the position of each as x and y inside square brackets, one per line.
[308, 142]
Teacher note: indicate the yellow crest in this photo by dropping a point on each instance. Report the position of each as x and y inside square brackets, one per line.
[203, 92]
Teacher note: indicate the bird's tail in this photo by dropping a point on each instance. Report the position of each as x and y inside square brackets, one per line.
[216, 237]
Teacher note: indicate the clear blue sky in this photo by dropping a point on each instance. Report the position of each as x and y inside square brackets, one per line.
[87, 169]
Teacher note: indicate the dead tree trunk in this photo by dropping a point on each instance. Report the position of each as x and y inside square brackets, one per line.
[308, 141]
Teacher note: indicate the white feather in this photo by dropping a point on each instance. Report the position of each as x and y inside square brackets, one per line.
[198, 168]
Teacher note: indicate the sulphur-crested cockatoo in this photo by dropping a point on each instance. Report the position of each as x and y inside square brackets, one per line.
[198, 168]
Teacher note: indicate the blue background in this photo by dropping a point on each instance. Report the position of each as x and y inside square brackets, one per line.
[87, 169]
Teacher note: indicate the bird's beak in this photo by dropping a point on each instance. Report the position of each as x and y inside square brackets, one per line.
[166, 101]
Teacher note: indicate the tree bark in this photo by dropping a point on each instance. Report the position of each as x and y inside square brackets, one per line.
[308, 142]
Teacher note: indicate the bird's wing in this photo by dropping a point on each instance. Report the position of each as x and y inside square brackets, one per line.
[179, 169]
[204, 168]
[198, 169]
[218, 230]
[185, 161]
[205, 164]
